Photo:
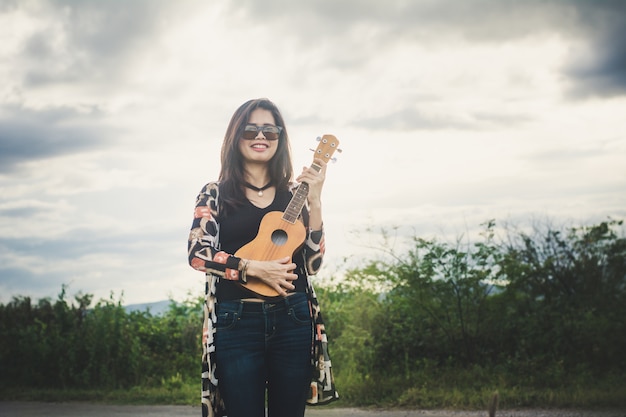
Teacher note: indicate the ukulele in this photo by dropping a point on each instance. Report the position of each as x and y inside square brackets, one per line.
[282, 234]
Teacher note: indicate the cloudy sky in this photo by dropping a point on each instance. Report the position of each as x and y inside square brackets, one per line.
[450, 113]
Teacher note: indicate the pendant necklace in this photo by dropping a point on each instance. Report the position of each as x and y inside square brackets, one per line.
[257, 189]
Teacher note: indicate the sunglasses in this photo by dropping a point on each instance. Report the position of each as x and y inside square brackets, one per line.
[270, 132]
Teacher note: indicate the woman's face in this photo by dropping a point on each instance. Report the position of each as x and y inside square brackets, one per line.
[259, 149]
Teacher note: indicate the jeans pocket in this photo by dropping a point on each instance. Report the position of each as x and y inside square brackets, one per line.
[300, 313]
[226, 318]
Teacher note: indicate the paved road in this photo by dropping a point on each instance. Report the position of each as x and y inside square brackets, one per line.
[38, 409]
[31, 409]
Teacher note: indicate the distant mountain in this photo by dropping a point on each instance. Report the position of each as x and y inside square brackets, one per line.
[156, 308]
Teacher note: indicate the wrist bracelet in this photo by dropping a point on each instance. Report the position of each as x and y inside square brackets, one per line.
[244, 271]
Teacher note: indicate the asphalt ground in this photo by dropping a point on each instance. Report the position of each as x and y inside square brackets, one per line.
[43, 409]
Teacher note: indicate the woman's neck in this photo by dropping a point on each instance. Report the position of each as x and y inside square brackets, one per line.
[257, 175]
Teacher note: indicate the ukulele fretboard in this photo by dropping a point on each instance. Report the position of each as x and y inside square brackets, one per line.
[292, 212]
[297, 202]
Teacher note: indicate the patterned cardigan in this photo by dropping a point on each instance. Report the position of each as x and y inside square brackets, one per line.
[205, 255]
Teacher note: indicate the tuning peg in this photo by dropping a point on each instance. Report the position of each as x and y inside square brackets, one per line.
[319, 139]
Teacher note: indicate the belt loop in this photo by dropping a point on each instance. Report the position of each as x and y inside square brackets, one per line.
[240, 309]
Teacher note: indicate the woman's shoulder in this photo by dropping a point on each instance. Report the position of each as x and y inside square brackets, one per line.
[211, 188]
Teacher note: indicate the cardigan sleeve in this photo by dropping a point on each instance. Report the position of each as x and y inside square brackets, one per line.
[203, 243]
[314, 244]
[314, 249]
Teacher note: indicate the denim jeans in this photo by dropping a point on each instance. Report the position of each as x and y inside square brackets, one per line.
[264, 345]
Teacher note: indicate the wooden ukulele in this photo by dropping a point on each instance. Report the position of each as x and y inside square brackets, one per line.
[282, 234]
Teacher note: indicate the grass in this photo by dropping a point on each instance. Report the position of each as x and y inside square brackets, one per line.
[185, 394]
[473, 390]
[424, 392]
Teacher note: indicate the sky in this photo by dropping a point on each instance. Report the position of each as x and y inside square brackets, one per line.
[450, 113]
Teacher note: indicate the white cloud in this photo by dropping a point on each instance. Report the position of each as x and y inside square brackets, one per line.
[112, 120]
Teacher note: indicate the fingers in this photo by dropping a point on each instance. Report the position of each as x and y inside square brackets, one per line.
[287, 265]
[281, 286]
[280, 290]
[278, 274]
[289, 276]
[284, 260]
[310, 174]
[321, 163]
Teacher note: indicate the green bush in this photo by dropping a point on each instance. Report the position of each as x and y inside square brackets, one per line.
[538, 317]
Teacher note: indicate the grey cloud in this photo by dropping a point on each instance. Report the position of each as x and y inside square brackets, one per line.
[78, 249]
[40, 134]
[304, 119]
[8, 5]
[17, 281]
[99, 38]
[75, 244]
[487, 20]
[576, 153]
[599, 69]
[565, 156]
[88, 39]
[20, 212]
[493, 119]
[13, 278]
[408, 119]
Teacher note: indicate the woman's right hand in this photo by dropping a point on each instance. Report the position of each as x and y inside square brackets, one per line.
[277, 274]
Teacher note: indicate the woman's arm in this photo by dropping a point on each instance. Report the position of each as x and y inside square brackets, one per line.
[314, 246]
[203, 244]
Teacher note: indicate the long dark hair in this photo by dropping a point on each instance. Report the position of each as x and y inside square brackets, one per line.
[232, 191]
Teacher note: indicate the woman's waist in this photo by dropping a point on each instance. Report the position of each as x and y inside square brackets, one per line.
[258, 305]
[233, 291]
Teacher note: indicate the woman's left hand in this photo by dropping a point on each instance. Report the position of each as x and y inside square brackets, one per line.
[315, 180]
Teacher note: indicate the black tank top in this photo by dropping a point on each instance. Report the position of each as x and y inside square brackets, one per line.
[240, 227]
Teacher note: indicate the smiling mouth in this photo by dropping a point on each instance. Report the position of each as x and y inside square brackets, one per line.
[259, 146]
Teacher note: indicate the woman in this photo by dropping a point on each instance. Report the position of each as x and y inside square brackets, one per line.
[256, 345]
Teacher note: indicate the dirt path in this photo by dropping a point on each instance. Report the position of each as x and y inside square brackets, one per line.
[39, 409]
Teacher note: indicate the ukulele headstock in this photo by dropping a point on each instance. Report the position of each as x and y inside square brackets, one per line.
[328, 145]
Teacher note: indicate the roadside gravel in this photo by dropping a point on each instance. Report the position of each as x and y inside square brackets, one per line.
[41, 409]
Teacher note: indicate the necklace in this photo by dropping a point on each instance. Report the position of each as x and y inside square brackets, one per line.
[257, 189]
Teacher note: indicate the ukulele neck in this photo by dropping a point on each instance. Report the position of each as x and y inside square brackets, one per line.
[297, 201]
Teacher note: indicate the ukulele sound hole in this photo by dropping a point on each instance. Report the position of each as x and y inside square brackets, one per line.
[279, 237]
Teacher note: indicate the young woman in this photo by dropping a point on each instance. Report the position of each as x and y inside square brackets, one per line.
[258, 345]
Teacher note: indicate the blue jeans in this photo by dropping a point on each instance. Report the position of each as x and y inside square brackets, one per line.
[264, 345]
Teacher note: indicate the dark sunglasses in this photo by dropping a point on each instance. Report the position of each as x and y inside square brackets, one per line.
[270, 132]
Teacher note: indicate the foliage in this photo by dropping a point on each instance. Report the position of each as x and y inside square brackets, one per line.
[70, 345]
[538, 316]
[545, 311]
[570, 291]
